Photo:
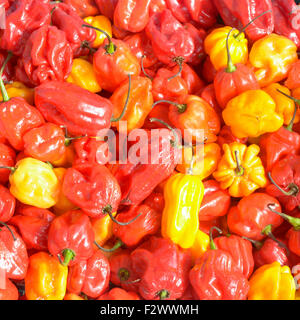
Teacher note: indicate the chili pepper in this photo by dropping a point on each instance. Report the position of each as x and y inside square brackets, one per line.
[272, 282]
[257, 109]
[13, 253]
[169, 37]
[240, 169]
[45, 269]
[163, 269]
[217, 277]
[82, 109]
[209, 95]
[101, 22]
[136, 95]
[47, 56]
[284, 176]
[155, 201]
[192, 113]
[7, 204]
[10, 292]
[216, 201]
[33, 182]
[83, 8]
[272, 57]
[252, 214]
[215, 47]
[235, 78]
[65, 18]
[179, 10]
[159, 111]
[119, 294]
[200, 246]
[96, 274]
[33, 224]
[7, 159]
[71, 235]
[22, 18]
[226, 137]
[183, 195]
[83, 75]
[208, 71]
[8, 72]
[93, 189]
[103, 228]
[18, 89]
[293, 81]
[147, 224]
[107, 7]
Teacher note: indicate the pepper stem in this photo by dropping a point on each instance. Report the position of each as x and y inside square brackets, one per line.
[12, 169]
[257, 244]
[123, 274]
[68, 140]
[295, 222]
[116, 246]
[143, 69]
[212, 243]
[108, 210]
[9, 229]
[179, 62]
[293, 187]
[68, 255]
[239, 171]
[181, 107]
[230, 66]
[268, 232]
[2, 86]
[163, 294]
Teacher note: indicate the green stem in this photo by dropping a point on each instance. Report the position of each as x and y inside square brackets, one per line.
[295, 222]
[179, 61]
[143, 69]
[163, 294]
[12, 169]
[268, 232]
[257, 244]
[2, 86]
[180, 107]
[230, 66]
[212, 243]
[116, 246]
[68, 255]
[239, 171]
[294, 190]
[68, 140]
[9, 229]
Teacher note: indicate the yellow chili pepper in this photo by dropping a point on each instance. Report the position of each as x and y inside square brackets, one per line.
[67, 159]
[251, 114]
[18, 89]
[46, 278]
[63, 204]
[215, 47]
[205, 162]
[271, 57]
[100, 22]
[180, 218]
[272, 282]
[200, 245]
[34, 182]
[284, 106]
[103, 229]
[83, 75]
[240, 169]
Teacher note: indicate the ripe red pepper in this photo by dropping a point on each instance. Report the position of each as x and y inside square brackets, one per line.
[7, 159]
[93, 189]
[13, 257]
[155, 201]
[163, 269]
[107, 7]
[179, 10]
[73, 107]
[22, 18]
[119, 294]
[10, 292]
[71, 235]
[285, 177]
[8, 71]
[90, 277]
[209, 95]
[293, 80]
[157, 6]
[169, 37]
[208, 71]
[7, 204]
[226, 136]
[33, 224]
[148, 223]
[203, 12]
[84, 8]
[216, 201]
[159, 111]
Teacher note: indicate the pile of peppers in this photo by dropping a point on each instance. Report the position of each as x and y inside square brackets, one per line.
[221, 223]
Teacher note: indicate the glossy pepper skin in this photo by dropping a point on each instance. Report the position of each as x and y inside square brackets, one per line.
[272, 282]
[95, 274]
[240, 170]
[216, 201]
[252, 214]
[82, 109]
[93, 188]
[163, 269]
[46, 278]
[293, 79]
[183, 195]
[47, 56]
[7, 204]
[147, 224]
[169, 38]
[257, 109]
[13, 253]
[107, 7]
[33, 182]
[10, 292]
[33, 224]
[71, 235]
[272, 57]
[83, 8]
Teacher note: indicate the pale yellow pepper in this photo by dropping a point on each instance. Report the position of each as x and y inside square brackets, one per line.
[18, 89]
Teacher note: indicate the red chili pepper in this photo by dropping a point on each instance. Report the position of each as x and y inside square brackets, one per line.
[119, 294]
[13, 257]
[293, 80]
[7, 204]
[208, 71]
[93, 189]
[73, 107]
[169, 37]
[203, 12]
[155, 201]
[159, 111]
[216, 201]
[209, 95]
[84, 8]
[22, 18]
[147, 224]
[163, 269]
[216, 276]
[252, 214]
[7, 159]
[90, 277]
[33, 224]
[107, 7]
[157, 6]
[179, 10]
[71, 235]
[226, 136]
[10, 292]
[65, 18]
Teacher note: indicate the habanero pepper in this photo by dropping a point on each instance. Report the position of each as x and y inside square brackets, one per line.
[179, 10]
[7, 159]
[107, 7]
[83, 8]
[7, 204]
[155, 201]
[293, 80]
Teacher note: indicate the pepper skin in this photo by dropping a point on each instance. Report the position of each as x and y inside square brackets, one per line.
[272, 282]
[226, 137]
[71, 235]
[83, 8]
[33, 182]
[293, 79]
[46, 278]
[183, 195]
[103, 229]
[107, 7]
[18, 89]
[10, 292]
[7, 159]
[240, 169]
[200, 246]
[7, 204]
[119, 294]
